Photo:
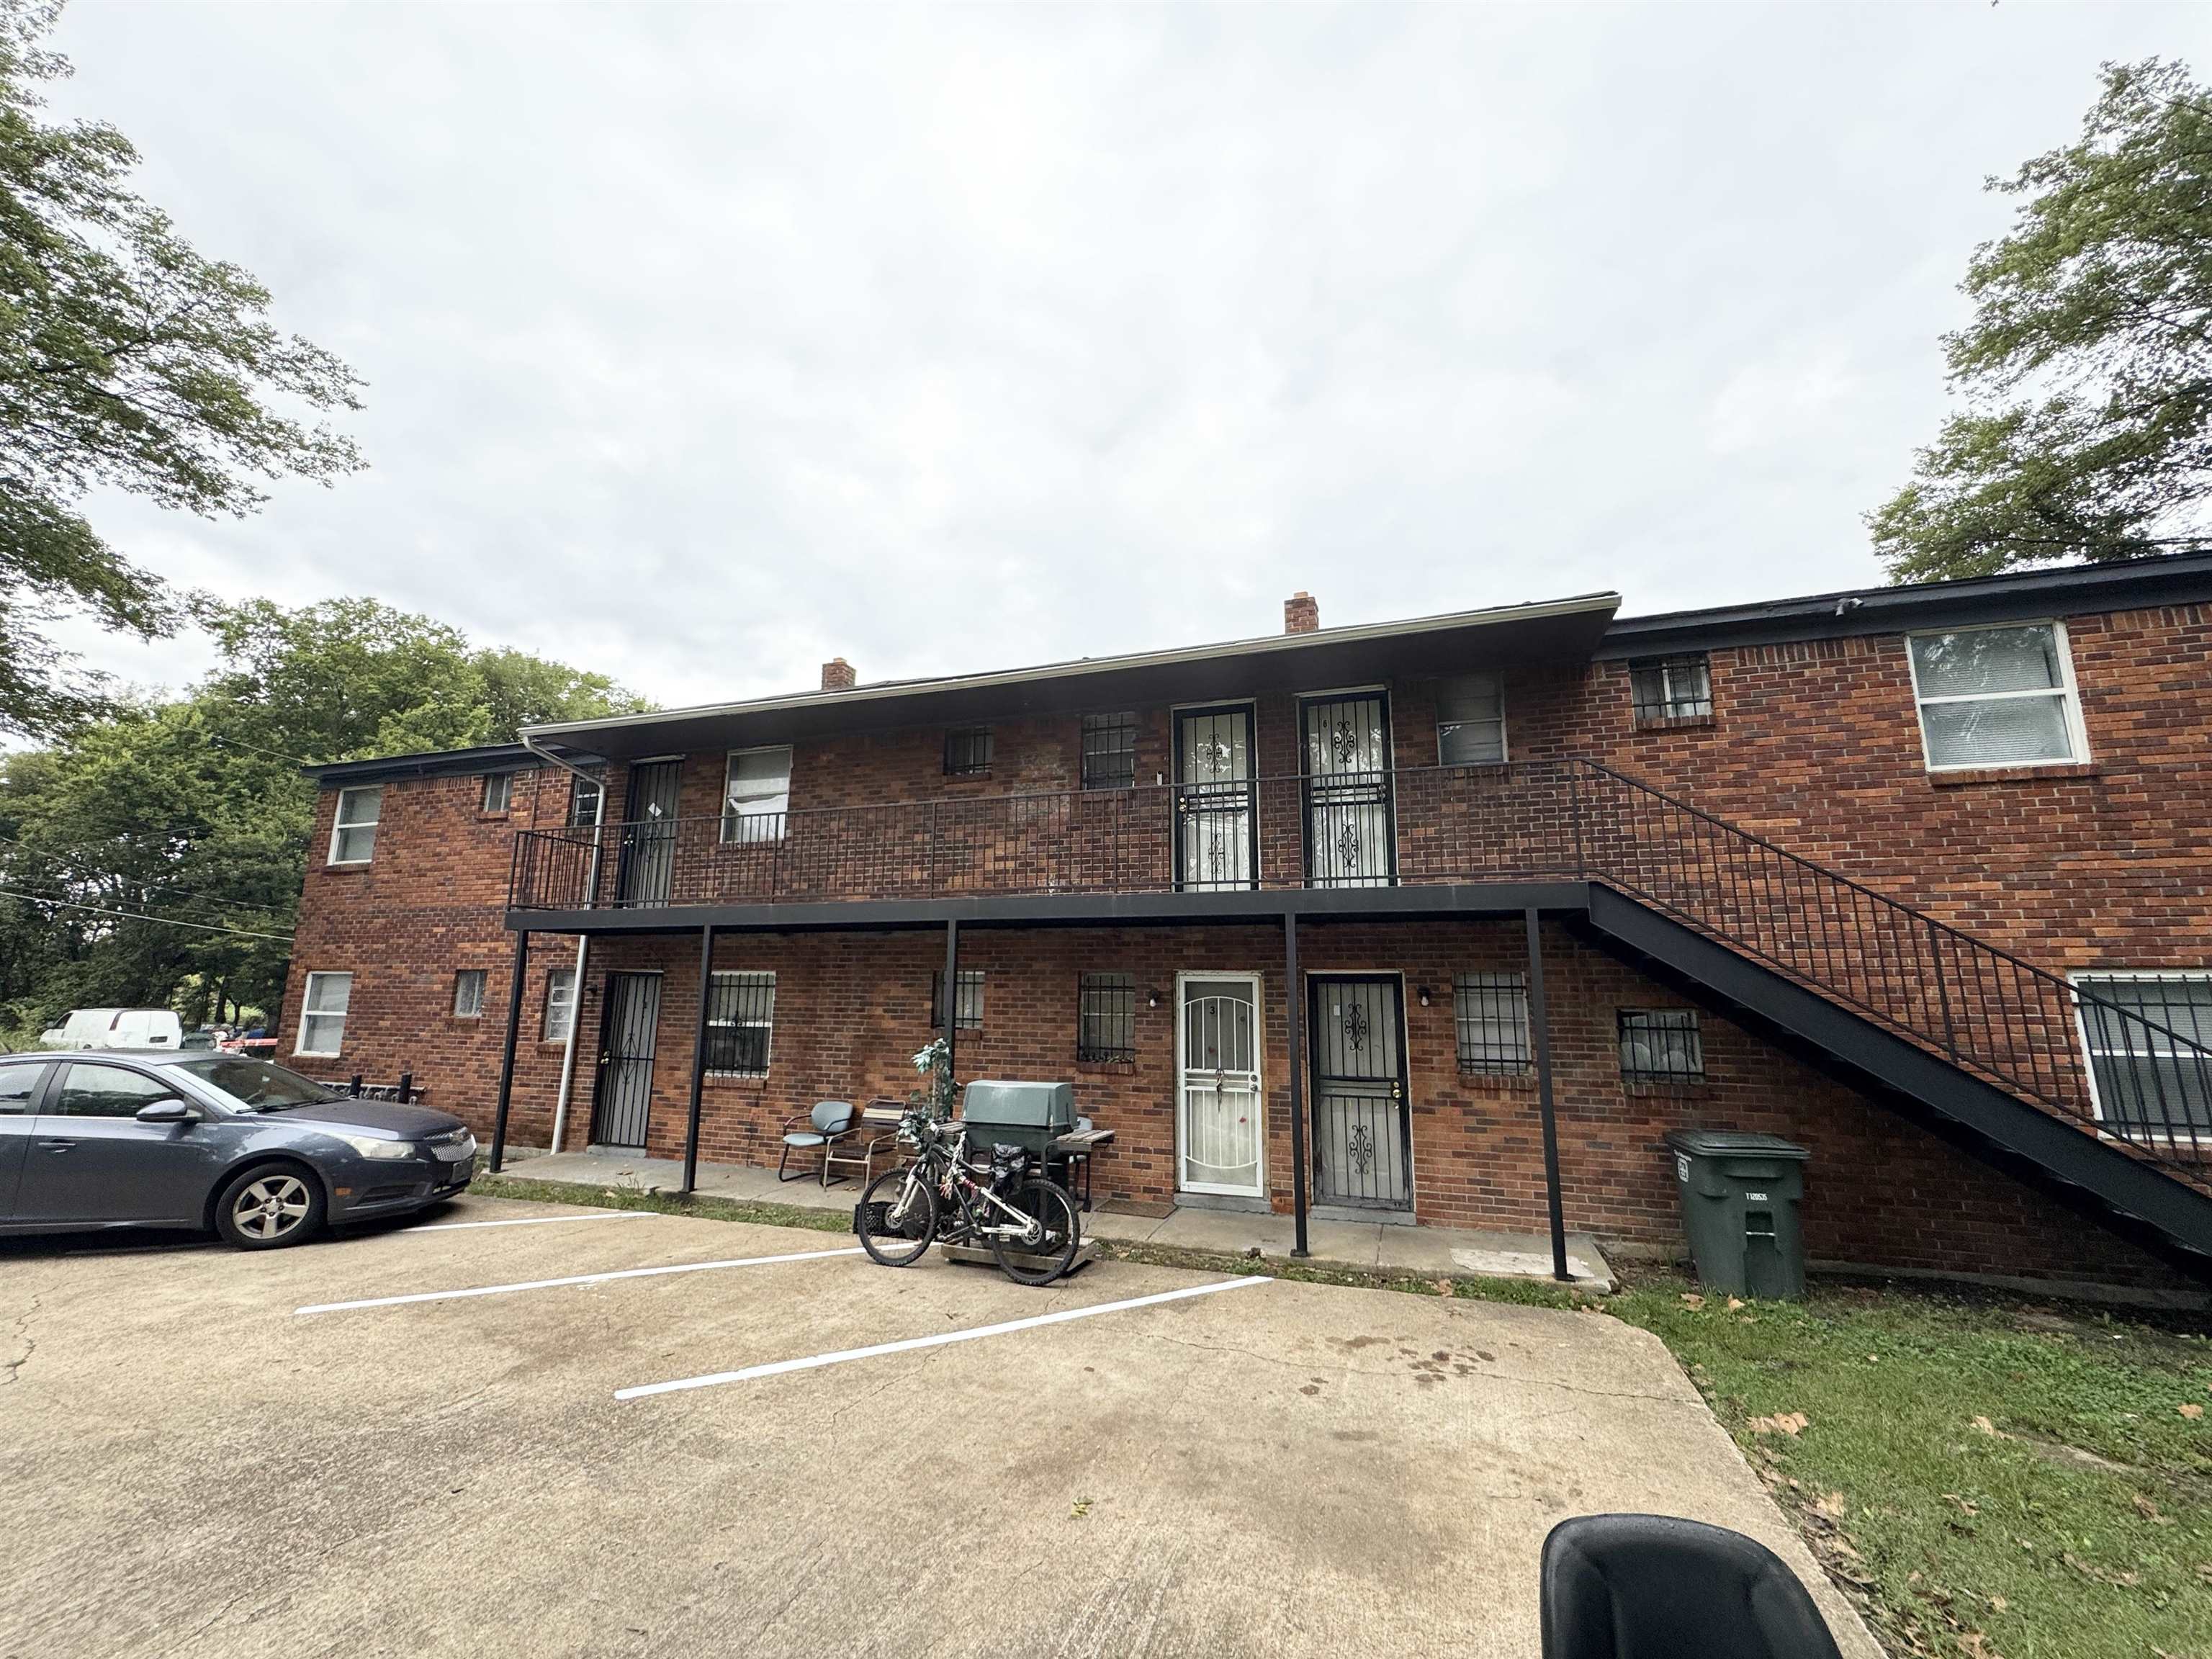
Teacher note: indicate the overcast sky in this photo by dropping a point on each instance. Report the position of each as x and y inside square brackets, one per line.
[704, 344]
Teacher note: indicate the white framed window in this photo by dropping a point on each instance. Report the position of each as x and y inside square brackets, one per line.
[468, 993]
[2145, 1035]
[560, 1015]
[757, 794]
[740, 1023]
[586, 796]
[353, 827]
[1490, 1020]
[1471, 720]
[498, 793]
[2002, 695]
[322, 1014]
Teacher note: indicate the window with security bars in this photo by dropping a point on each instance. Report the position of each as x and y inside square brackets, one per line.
[740, 1019]
[2146, 1036]
[1490, 1014]
[1106, 1018]
[498, 793]
[1662, 688]
[1660, 1045]
[968, 753]
[969, 990]
[1110, 751]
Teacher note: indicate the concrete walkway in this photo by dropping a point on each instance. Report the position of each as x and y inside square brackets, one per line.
[1388, 1248]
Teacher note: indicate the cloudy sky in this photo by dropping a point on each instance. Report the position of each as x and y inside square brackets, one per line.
[704, 344]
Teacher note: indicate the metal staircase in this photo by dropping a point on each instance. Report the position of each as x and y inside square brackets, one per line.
[1990, 1044]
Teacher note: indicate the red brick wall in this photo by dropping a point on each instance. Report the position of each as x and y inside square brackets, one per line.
[851, 1010]
[1816, 746]
[428, 905]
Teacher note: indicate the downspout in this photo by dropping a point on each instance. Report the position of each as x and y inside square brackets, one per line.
[583, 944]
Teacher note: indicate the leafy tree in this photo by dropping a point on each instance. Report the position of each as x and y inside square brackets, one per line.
[194, 809]
[2087, 368]
[126, 361]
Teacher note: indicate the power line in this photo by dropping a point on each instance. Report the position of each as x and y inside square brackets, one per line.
[90, 871]
[140, 915]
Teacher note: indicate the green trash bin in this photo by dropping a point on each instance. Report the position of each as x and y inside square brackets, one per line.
[1741, 1194]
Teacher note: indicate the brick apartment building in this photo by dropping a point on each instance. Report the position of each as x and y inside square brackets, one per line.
[1918, 876]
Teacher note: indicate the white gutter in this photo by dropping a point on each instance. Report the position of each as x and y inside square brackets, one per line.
[1267, 645]
[583, 944]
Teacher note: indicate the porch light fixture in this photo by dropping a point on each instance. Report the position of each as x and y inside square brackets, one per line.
[1151, 999]
[1422, 992]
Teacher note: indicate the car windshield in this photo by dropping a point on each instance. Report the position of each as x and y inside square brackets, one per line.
[256, 1084]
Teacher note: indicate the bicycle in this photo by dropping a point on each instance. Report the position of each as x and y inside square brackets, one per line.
[1025, 1217]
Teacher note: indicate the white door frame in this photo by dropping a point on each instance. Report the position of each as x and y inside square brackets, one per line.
[1259, 1187]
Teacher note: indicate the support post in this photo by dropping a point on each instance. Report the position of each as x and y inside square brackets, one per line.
[507, 1058]
[1540, 1028]
[698, 1058]
[951, 989]
[1294, 1009]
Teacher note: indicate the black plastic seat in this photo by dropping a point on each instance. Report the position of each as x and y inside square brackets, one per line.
[1653, 1587]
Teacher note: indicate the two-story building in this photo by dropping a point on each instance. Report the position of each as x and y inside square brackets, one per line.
[1378, 919]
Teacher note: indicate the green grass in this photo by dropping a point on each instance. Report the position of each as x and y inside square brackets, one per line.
[1988, 1477]
[636, 1198]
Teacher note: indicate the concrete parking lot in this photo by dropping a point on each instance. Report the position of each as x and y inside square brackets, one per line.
[191, 1466]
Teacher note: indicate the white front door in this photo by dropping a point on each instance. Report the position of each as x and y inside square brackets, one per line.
[1219, 1148]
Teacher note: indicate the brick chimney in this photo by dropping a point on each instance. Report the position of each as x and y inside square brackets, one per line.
[837, 675]
[1301, 613]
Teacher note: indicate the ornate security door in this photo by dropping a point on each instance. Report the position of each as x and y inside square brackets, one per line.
[1216, 823]
[630, 1034]
[1362, 1121]
[1350, 841]
[1218, 1146]
[648, 834]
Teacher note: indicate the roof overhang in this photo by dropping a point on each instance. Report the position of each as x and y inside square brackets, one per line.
[1561, 630]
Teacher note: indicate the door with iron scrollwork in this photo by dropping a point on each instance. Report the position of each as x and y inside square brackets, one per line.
[1215, 830]
[1219, 1146]
[1363, 1120]
[1350, 839]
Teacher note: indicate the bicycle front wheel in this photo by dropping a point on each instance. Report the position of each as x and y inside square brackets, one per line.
[1054, 1232]
[898, 1217]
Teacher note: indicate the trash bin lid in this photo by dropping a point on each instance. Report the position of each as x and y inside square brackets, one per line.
[1730, 1143]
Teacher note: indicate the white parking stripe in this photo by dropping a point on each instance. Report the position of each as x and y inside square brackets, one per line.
[579, 1279]
[534, 1220]
[975, 1333]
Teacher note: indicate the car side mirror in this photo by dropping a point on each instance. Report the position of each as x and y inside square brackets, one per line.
[171, 1110]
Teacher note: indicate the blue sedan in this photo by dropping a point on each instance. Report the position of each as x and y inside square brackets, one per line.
[262, 1154]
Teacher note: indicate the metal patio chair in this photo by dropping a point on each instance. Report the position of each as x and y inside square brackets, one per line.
[1652, 1587]
[830, 1122]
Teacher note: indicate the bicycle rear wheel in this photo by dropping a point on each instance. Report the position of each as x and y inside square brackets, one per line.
[898, 1217]
[1055, 1232]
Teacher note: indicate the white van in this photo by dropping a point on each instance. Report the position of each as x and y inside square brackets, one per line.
[116, 1027]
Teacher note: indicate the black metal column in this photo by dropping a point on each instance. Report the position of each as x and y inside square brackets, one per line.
[506, 1059]
[1540, 1028]
[699, 1057]
[952, 1009]
[1294, 1007]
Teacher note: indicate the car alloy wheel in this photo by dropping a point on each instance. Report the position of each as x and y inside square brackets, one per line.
[270, 1207]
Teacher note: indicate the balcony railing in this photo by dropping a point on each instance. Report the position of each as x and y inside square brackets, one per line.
[1982, 1008]
[1413, 826]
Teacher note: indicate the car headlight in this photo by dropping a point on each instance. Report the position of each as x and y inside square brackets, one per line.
[370, 1147]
